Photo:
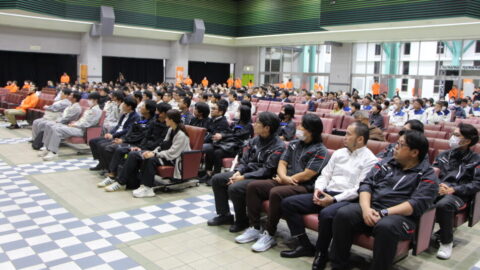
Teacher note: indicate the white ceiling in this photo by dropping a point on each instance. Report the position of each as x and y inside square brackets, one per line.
[439, 29]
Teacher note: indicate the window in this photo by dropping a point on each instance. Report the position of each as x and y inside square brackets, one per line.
[477, 46]
[406, 68]
[438, 68]
[376, 67]
[406, 48]
[404, 85]
[476, 63]
[436, 86]
[275, 65]
[328, 49]
[267, 65]
[378, 49]
[440, 47]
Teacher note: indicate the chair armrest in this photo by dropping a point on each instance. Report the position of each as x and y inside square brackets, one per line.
[474, 215]
[191, 163]
[424, 232]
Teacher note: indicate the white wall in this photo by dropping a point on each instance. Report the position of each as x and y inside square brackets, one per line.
[22, 40]
[135, 48]
[212, 53]
[340, 71]
[248, 56]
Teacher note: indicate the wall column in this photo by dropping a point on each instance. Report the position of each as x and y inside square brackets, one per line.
[91, 55]
[341, 68]
[178, 58]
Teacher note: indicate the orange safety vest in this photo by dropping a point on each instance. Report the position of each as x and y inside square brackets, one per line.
[289, 85]
[205, 83]
[65, 79]
[250, 84]
[238, 83]
[453, 93]
[376, 89]
[230, 82]
[29, 102]
[188, 81]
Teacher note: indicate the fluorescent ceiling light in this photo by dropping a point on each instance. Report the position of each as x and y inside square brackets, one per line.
[363, 29]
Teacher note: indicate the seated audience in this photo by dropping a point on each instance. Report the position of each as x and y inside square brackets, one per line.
[227, 144]
[398, 117]
[286, 132]
[409, 125]
[127, 119]
[376, 118]
[112, 110]
[259, 161]
[355, 107]
[334, 188]
[459, 182]
[338, 108]
[54, 134]
[184, 107]
[395, 193]
[201, 113]
[438, 115]
[375, 134]
[299, 165]
[29, 102]
[418, 112]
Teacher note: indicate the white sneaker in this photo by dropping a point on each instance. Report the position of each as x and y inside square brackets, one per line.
[143, 192]
[115, 186]
[43, 152]
[250, 235]
[263, 243]
[106, 182]
[445, 251]
[50, 156]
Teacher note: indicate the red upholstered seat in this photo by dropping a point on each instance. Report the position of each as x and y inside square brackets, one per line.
[327, 125]
[376, 146]
[275, 107]
[334, 142]
[301, 108]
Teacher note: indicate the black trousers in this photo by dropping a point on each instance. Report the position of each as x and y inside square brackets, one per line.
[293, 209]
[118, 158]
[235, 192]
[447, 206]
[96, 146]
[129, 173]
[148, 170]
[387, 232]
[213, 157]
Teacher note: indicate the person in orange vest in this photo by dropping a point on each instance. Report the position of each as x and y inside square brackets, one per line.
[250, 84]
[8, 86]
[281, 85]
[65, 78]
[26, 85]
[453, 92]
[376, 89]
[13, 87]
[188, 81]
[238, 83]
[205, 82]
[230, 82]
[289, 84]
[461, 93]
[317, 86]
[29, 102]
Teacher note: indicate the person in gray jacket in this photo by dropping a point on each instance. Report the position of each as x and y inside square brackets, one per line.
[168, 153]
[54, 134]
[64, 111]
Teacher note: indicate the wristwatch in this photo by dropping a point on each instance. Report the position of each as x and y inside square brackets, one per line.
[334, 200]
[383, 213]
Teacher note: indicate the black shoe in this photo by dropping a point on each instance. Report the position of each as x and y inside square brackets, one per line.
[96, 168]
[238, 227]
[320, 262]
[221, 220]
[204, 179]
[299, 251]
[13, 126]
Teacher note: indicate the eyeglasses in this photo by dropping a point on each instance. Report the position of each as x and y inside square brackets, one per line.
[401, 144]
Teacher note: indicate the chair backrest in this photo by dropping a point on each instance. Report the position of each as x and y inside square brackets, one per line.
[102, 119]
[337, 120]
[327, 125]
[301, 108]
[333, 142]
[275, 107]
[84, 102]
[262, 106]
[347, 120]
[432, 127]
[196, 136]
[386, 121]
[376, 146]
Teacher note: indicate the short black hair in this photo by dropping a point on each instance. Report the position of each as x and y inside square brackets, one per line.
[246, 103]
[187, 101]
[287, 94]
[131, 102]
[415, 125]
[420, 101]
[222, 106]
[77, 95]
[138, 95]
[314, 125]
[148, 94]
[356, 105]
[271, 120]
[340, 104]
[289, 110]
[151, 106]
[416, 140]
[94, 95]
[217, 96]
[469, 132]
[118, 95]
[245, 114]
[387, 103]
[67, 91]
[203, 108]
[233, 94]
[458, 101]
[362, 130]
[378, 106]
[309, 94]
[163, 107]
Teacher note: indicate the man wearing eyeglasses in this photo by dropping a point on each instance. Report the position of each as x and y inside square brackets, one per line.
[395, 193]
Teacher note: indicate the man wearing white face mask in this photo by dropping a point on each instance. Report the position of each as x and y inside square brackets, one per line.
[460, 180]
[398, 117]
[54, 134]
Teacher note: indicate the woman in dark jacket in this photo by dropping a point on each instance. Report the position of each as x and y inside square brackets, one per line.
[228, 144]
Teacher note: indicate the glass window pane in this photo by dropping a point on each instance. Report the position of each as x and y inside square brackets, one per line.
[372, 58]
[428, 58]
[359, 56]
[287, 59]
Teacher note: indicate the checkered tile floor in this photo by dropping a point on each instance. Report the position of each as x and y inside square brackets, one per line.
[14, 140]
[38, 233]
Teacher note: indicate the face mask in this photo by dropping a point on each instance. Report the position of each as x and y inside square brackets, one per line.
[300, 135]
[383, 106]
[281, 116]
[454, 142]
[90, 103]
[444, 108]
[237, 115]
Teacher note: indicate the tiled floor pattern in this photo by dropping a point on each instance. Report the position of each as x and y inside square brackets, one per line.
[36, 232]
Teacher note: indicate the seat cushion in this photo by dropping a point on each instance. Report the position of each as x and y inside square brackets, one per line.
[165, 171]
[227, 162]
[76, 140]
